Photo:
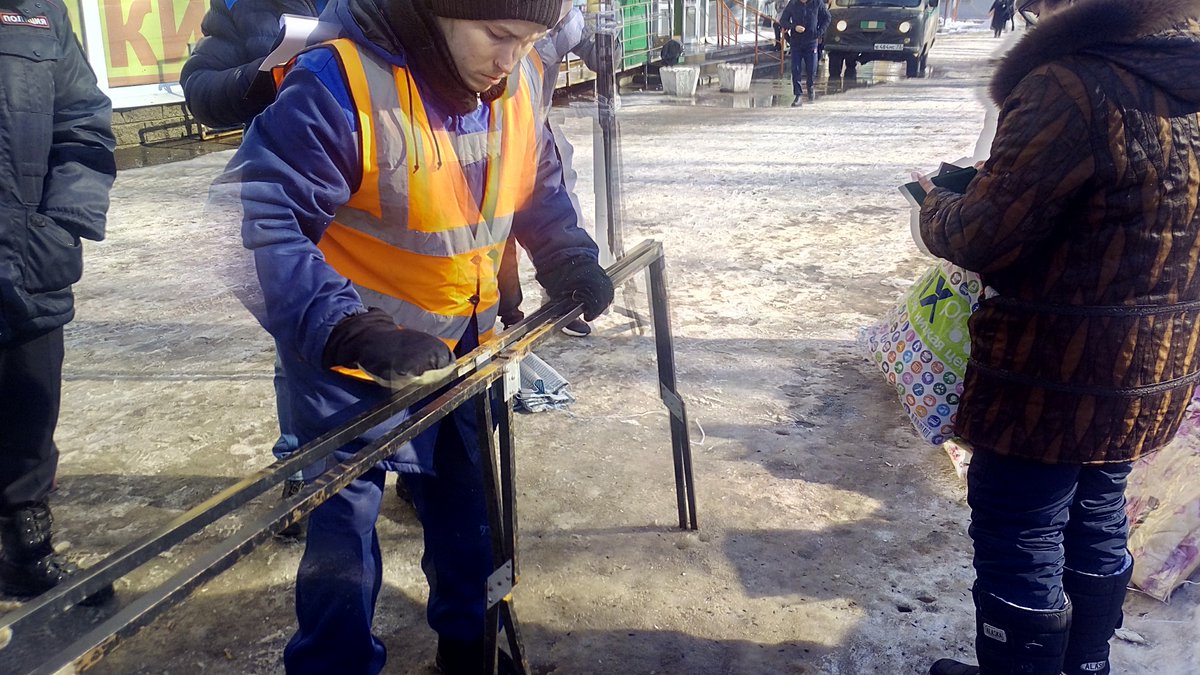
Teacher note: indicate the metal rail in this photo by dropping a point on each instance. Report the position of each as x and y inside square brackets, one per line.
[491, 366]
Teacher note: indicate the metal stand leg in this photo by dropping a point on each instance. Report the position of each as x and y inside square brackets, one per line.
[500, 489]
[685, 490]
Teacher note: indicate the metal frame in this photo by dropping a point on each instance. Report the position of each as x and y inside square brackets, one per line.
[487, 374]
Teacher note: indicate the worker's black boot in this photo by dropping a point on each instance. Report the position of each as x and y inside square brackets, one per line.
[1097, 601]
[29, 566]
[1011, 640]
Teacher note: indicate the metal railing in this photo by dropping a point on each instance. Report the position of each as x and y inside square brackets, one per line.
[731, 29]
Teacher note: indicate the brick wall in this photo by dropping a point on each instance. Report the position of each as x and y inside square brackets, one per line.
[146, 126]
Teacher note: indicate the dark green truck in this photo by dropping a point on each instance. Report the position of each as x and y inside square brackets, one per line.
[880, 30]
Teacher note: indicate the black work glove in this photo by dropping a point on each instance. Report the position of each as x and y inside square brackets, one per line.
[583, 280]
[392, 356]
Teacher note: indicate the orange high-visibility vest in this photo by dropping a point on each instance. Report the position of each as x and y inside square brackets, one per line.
[413, 239]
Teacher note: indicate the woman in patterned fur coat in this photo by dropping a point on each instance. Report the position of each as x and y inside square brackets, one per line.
[1085, 221]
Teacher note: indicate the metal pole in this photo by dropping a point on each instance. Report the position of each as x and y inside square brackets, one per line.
[499, 582]
[606, 98]
[685, 490]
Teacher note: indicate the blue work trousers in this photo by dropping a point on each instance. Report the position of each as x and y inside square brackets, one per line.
[804, 66]
[1029, 520]
[341, 571]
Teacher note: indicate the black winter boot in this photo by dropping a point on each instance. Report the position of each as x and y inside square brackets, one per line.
[29, 566]
[1097, 602]
[1011, 640]
[952, 667]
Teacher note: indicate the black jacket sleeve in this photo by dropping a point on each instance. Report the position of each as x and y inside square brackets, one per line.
[81, 166]
[217, 76]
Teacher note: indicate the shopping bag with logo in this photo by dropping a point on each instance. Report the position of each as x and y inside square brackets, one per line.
[921, 346]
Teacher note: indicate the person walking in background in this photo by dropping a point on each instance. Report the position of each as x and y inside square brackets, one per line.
[1084, 221]
[58, 167]
[378, 193]
[999, 10]
[805, 22]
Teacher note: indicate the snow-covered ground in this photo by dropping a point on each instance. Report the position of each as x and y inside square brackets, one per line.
[832, 540]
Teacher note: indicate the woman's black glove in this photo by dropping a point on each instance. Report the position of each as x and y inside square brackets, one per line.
[389, 354]
[583, 280]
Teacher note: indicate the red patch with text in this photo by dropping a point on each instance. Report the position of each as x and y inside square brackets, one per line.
[14, 19]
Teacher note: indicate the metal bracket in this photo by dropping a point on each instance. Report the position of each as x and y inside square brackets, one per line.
[500, 584]
[672, 400]
[512, 378]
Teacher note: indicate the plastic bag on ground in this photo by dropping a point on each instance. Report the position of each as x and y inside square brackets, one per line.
[542, 387]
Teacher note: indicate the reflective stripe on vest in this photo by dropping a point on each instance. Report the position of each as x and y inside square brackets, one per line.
[413, 239]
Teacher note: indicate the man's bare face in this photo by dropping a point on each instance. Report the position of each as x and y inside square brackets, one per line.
[486, 52]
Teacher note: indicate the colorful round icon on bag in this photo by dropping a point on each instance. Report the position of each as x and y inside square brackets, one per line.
[918, 389]
[920, 410]
[943, 409]
[907, 378]
[917, 367]
[949, 378]
[929, 401]
[952, 399]
[934, 421]
[912, 401]
[927, 378]
[926, 357]
[939, 389]
[938, 367]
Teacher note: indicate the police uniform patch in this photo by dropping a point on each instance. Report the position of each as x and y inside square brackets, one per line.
[14, 19]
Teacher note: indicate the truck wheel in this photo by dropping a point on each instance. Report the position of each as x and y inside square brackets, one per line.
[911, 66]
[835, 65]
[924, 61]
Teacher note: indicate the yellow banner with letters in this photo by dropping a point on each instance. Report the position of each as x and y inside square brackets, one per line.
[147, 41]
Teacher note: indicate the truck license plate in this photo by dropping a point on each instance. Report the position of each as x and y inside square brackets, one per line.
[888, 47]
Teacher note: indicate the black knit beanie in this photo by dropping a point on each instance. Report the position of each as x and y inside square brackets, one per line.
[545, 12]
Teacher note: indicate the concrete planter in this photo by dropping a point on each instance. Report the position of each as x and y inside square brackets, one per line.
[680, 80]
[735, 77]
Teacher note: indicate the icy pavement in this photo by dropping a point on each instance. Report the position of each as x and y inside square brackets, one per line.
[832, 539]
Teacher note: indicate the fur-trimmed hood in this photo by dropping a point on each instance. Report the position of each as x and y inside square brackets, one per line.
[1140, 36]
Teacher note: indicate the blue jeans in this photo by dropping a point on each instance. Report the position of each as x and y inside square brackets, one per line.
[804, 66]
[1029, 520]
